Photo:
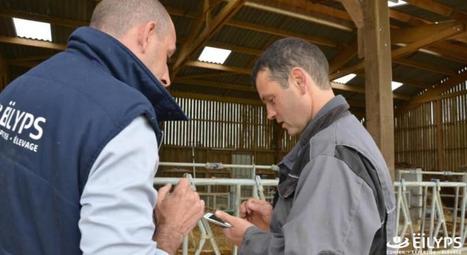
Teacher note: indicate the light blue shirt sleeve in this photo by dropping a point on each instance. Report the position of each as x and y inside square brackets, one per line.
[118, 198]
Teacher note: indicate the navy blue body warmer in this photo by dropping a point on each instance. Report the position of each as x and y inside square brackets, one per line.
[54, 122]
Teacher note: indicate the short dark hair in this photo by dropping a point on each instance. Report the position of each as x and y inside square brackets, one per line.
[287, 53]
[116, 17]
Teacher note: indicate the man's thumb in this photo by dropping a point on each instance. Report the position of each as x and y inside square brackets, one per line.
[163, 191]
[224, 216]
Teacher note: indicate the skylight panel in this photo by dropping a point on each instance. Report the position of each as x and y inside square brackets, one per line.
[394, 3]
[32, 29]
[214, 55]
[345, 79]
[395, 85]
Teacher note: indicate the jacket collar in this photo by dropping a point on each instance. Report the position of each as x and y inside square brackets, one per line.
[328, 114]
[121, 63]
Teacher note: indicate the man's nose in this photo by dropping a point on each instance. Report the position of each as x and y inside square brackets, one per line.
[165, 79]
[271, 114]
[166, 82]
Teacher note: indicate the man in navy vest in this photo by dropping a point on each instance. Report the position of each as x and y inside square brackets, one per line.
[79, 140]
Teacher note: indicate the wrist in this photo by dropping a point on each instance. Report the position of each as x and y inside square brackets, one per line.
[168, 240]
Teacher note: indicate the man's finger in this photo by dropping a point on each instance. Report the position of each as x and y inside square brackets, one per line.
[257, 205]
[183, 186]
[163, 191]
[243, 210]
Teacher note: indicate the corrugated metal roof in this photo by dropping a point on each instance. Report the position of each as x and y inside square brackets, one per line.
[460, 5]
[436, 61]
[244, 38]
[186, 14]
[410, 73]
[421, 13]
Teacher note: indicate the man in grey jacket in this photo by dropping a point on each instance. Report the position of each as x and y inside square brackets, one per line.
[335, 193]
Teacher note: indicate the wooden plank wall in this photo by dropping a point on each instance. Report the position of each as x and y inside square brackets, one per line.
[415, 137]
[217, 130]
[454, 116]
[424, 139]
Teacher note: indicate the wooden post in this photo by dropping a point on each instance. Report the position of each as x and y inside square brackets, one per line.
[378, 73]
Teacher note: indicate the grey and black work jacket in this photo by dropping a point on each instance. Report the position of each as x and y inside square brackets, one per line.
[335, 194]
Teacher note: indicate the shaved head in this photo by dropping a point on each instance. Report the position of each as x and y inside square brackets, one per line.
[116, 17]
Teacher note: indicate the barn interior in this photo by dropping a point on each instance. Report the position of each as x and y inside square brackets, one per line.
[401, 66]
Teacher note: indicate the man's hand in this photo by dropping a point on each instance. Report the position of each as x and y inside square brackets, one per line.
[177, 213]
[238, 229]
[258, 212]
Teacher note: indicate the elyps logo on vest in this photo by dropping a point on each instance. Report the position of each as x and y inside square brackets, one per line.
[13, 122]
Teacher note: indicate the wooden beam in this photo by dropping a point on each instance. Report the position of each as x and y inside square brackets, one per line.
[425, 66]
[188, 49]
[307, 7]
[461, 38]
[283, 33]
[356, 103]
[218, 67]
[412, 83]
[340, 59]
[32, 43]
[432, 6]
[407, 35]
[314, 8]
[300, 9]
[216, 98]
[43, 18]
[299, 13]
[197, 28]
[378, 73]
[450, 51]
[434, 93]
[203, 75]
[343, 57]
[353, 103]
[354, 9]
[416, 33]
[236, 48]
[408, 82]
[406, 18]
[361, 90]
[448, 32]
[403, 51]
[263, 29]
[238, 70]
[447, 52]
[218, 85]
[347, 88]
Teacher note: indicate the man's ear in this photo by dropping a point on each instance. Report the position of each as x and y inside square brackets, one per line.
[145, 35]
[299, 79]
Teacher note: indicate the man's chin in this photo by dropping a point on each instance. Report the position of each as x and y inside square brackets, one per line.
[291, 131]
